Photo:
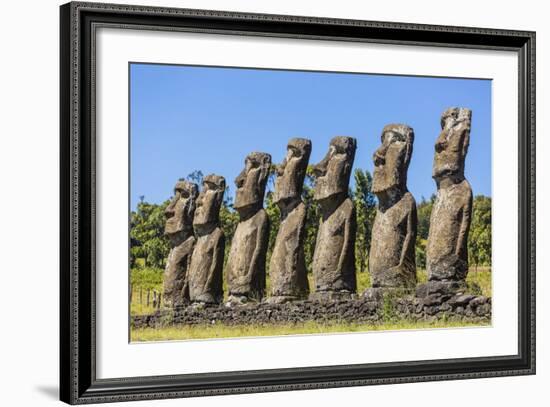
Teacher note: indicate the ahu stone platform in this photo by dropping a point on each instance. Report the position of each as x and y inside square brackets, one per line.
[375, 307]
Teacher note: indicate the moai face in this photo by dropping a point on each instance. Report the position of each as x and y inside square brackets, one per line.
[179, 213]
[334, 170]
[209, 200]
[391, 160]
[292, 171]
[452, 144]
[252, 180]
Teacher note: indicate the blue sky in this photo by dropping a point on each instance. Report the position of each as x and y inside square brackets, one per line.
[186, 118]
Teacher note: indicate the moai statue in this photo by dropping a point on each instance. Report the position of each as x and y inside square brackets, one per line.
[206, 269]
[447, 251]
[287, 268]
[179, 229]
[392, 255]
[334, 258]
[246, 262]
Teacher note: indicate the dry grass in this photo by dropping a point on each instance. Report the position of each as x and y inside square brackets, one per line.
[220, 331]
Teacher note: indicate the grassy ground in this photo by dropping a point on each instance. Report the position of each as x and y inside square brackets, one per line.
[220, 331]
[479, 282]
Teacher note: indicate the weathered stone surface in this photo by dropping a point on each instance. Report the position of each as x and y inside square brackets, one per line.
[206, 269]
[287, 269]
[369, 310]
[392, 255]
[246, 262]
[179, 229]
[447, 288]
[447, 251]
[334, 257]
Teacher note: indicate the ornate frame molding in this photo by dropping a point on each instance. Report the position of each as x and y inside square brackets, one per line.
[79, 384]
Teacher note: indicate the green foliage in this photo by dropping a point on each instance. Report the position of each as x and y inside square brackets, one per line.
[363, 281]
[365, 207]
[274, 215]
[479, 279]
[313, 218]
[479, 242]
[424, 211]
[479, 238]
[147, 240]
[229, 219]
[420, 251]
[147, 278]
[144, 279]
[196, 177]
[388, 309]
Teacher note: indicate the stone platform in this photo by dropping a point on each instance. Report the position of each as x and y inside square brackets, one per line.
[375, 307]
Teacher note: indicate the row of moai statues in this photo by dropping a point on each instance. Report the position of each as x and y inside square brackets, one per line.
[194, 269]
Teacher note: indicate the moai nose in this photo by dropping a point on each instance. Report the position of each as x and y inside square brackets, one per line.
[441, 142]
[169, 211]
[379, 156]
[320, 169]
[239, 181]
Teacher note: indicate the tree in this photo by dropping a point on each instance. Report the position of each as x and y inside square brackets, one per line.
[147, 240]
[365, 207]
[196, 177]
[479, 240]
[273, 214]
[424, 211]
[313, 217]
[229, 218]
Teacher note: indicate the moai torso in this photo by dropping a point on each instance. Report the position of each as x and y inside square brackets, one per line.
[392, 260]
[246, 263]
[287, 268]
[179, 229]
[334, 257]
[447, 251]
[176, 292]
[206, 268]
[392, 254]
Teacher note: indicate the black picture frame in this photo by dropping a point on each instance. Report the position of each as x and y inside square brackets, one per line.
[78, 382]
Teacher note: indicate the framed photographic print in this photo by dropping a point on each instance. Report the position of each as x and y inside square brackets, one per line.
[257, 203]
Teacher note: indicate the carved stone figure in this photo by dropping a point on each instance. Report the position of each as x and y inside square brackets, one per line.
[206, 269]
[334, 257]
[179, 229]
[246, 262]
[287, 268]
[392, 255]
[447, 251]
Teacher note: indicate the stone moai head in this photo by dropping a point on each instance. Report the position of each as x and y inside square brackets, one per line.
[251, 181]
[451, 146]
[392, 158]
[292, 171]
[333, 172]
[209, 200]
[179, 213]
